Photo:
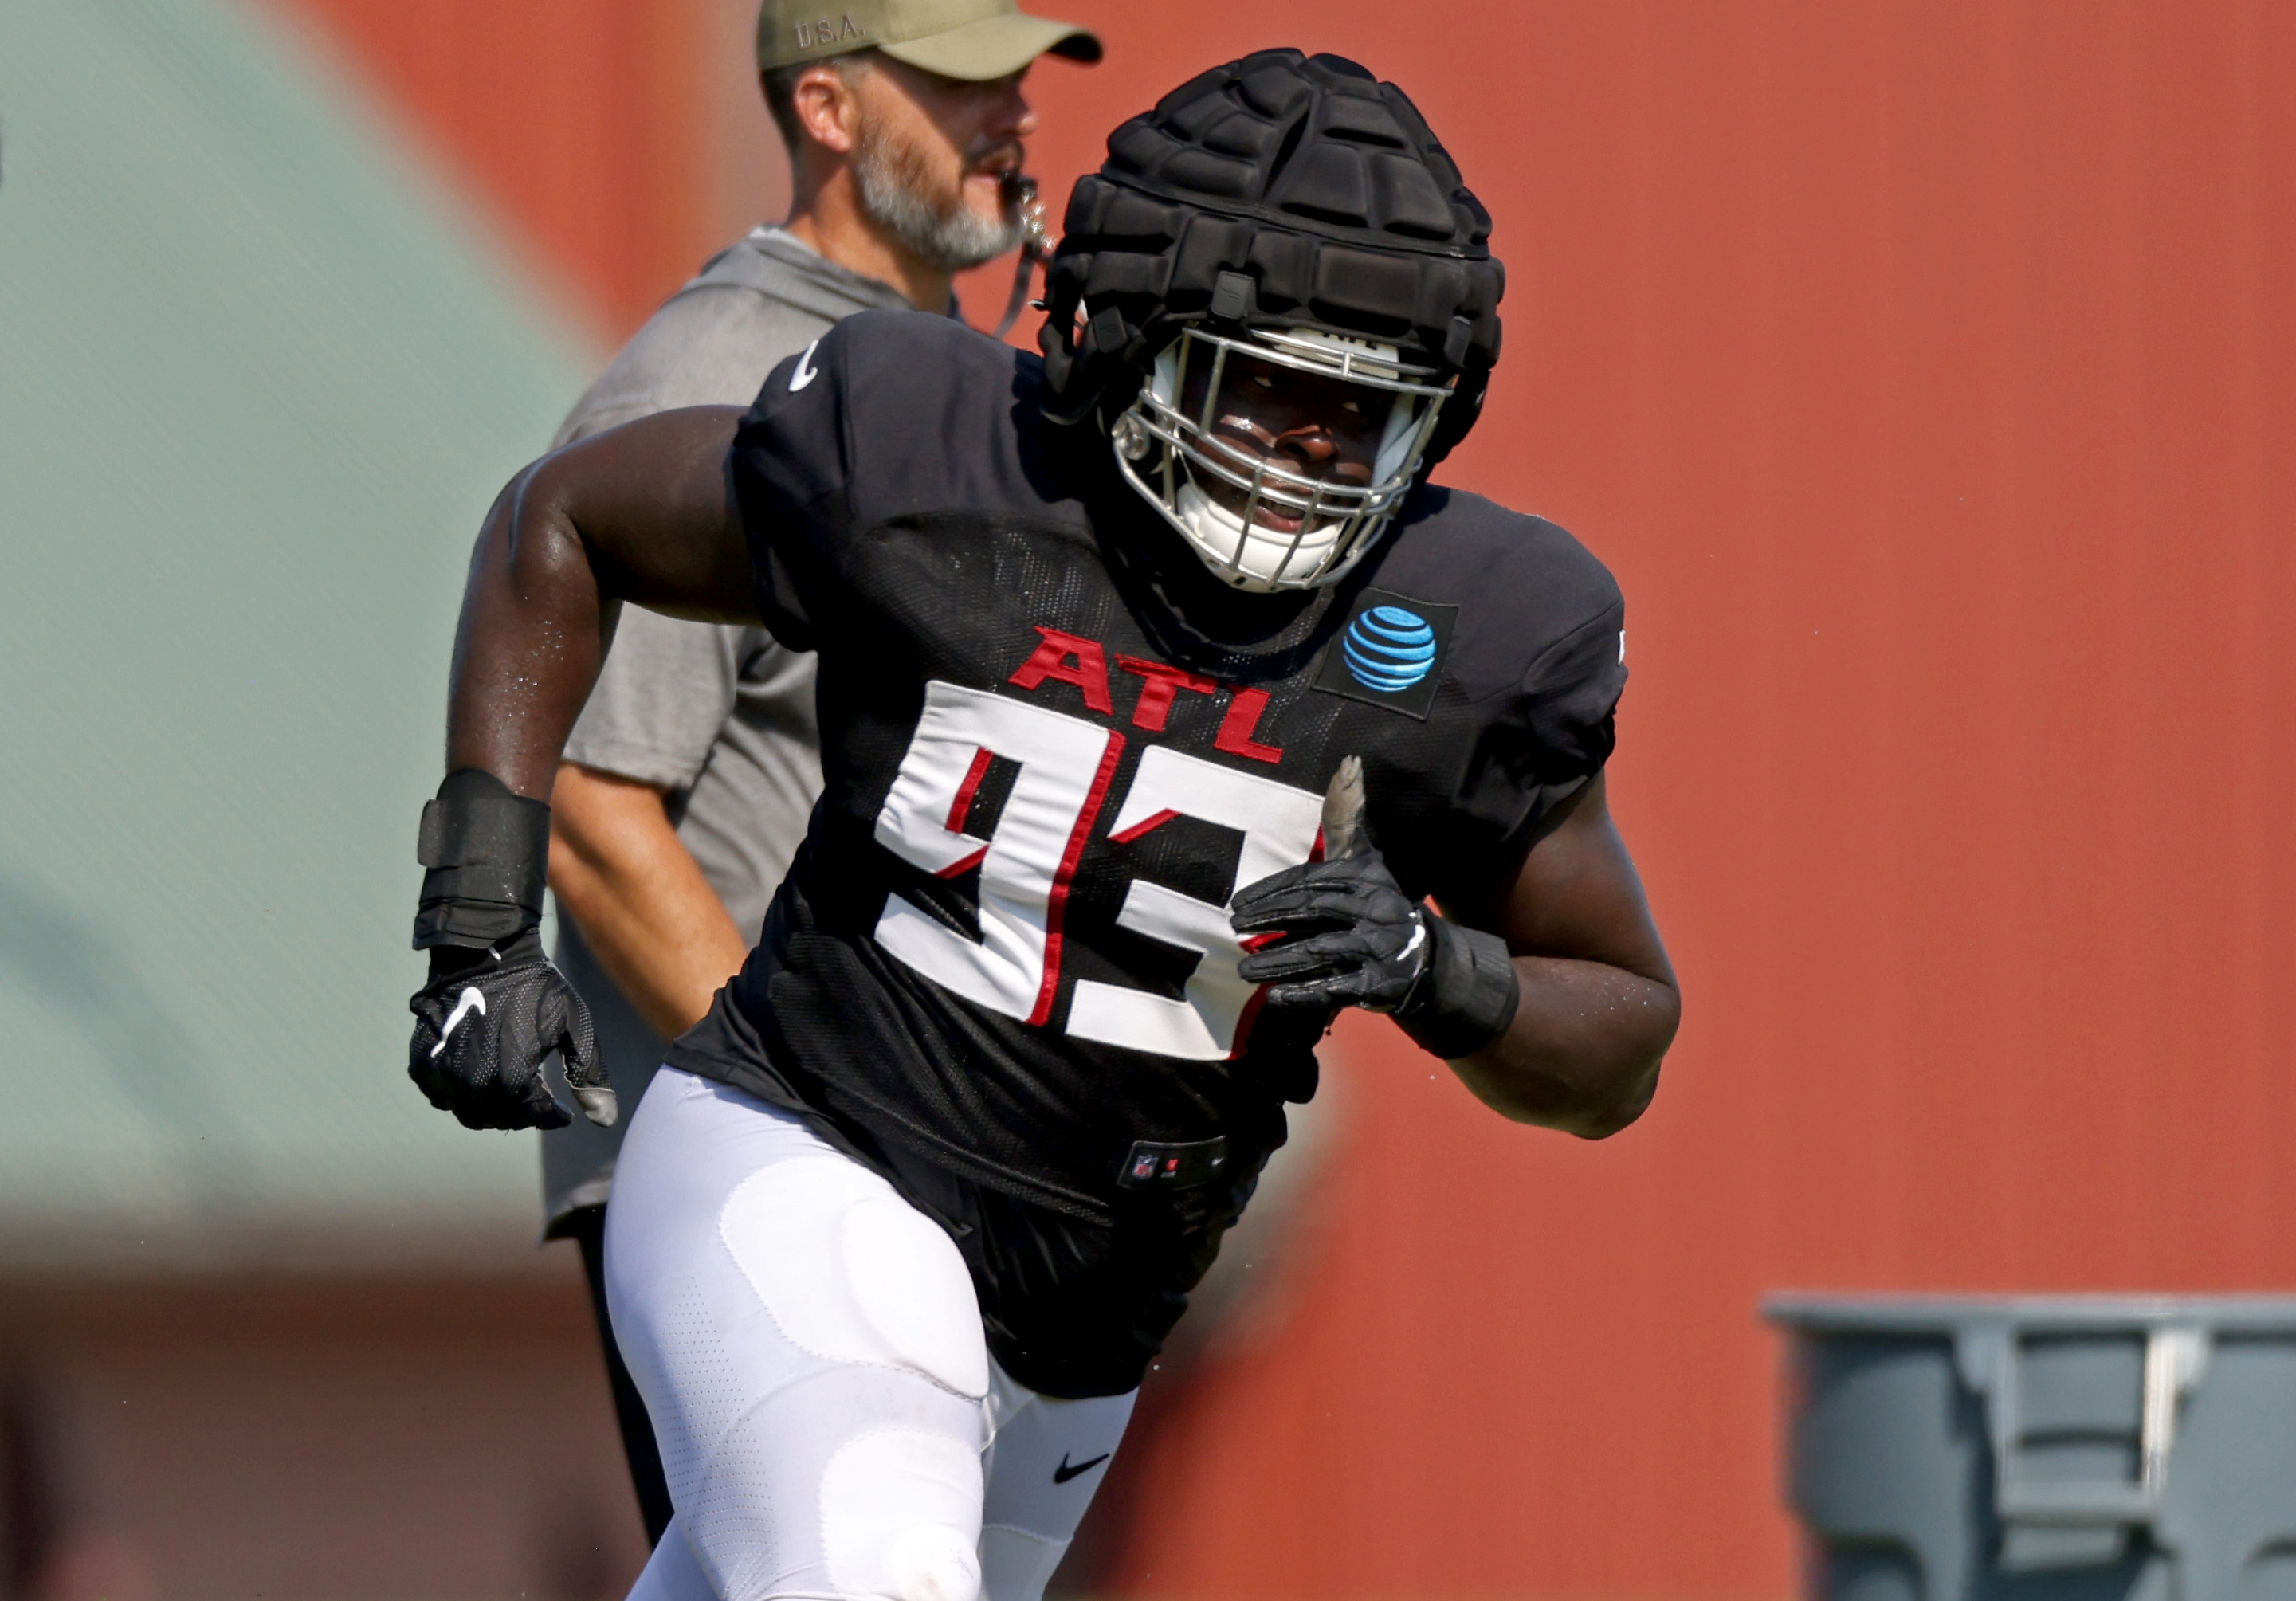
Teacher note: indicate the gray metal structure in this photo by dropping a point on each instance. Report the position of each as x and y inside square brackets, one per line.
[2044, 1447]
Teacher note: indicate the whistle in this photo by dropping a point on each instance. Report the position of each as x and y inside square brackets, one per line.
[1020, 191]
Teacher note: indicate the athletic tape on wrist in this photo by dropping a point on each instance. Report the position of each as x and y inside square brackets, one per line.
[488, 851]
[1468, 995]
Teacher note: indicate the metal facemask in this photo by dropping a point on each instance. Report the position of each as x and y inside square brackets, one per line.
[1263, 521]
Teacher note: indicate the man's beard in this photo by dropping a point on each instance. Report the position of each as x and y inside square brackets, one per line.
[895, 185]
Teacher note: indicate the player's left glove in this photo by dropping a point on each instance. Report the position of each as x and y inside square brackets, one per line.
[1348, 936]
[1351, 938]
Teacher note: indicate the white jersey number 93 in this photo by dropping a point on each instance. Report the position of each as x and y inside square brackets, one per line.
[1066, 768]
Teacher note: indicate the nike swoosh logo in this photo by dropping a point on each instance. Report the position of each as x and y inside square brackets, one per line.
[472, 999]
[1065, 1473]
[805, 372]
[1418, 938]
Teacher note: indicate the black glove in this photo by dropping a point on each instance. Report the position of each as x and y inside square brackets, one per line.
[483, 1026]
[1350, 937]
[1347, 935]
[494, 1008]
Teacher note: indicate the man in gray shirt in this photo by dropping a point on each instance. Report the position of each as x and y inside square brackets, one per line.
[687, 782]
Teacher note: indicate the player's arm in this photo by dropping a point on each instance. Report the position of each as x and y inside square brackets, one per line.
[1550, 994]
[619, 870]
[1597, 1004]
[642, 514]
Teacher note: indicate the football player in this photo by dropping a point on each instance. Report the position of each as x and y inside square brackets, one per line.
[1160, 691]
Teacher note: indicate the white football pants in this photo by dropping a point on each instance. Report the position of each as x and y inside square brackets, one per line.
[811, 1355]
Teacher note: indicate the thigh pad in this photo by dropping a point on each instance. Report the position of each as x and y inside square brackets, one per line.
[852, 1273]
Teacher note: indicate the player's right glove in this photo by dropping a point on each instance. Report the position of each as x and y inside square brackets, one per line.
[494, 1008]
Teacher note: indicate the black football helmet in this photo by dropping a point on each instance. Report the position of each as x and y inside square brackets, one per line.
[1282, 219]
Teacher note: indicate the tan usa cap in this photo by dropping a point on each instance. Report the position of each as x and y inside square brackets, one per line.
[976, 40]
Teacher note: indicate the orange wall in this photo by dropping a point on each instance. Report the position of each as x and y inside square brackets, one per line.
[587, 128]
[1927, 371]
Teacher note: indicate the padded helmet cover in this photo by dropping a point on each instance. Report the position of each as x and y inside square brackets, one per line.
[1322, 185]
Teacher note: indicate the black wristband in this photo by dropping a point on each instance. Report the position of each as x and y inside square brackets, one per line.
[488, 851]
[1467, 995]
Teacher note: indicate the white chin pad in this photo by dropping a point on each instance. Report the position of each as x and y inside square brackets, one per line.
[852, 1273]
[900, 1517]
[1212, 528]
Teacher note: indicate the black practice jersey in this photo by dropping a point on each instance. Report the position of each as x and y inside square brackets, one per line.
[1054, 746]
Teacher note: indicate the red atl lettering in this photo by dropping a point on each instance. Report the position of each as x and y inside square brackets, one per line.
[1164, 682]
[1241, 723]
[1052, 659]
[1073, 659]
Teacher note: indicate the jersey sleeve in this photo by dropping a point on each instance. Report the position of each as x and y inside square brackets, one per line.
[1540, 745]
[889, 414]
[792, 469]
[1539, 656]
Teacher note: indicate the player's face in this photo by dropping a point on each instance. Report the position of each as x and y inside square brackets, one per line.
[949, 144]
[1319, 427]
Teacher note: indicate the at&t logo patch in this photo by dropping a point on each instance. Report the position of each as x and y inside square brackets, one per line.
[1390, 652]
[1388, 648]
